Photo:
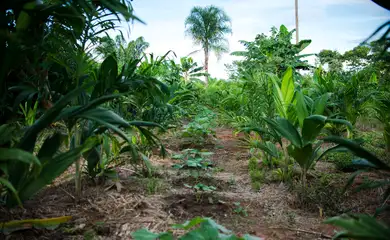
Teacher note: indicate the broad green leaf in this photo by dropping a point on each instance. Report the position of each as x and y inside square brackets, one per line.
[145, 124]
[269, 148]
[287, 87]
[340, 121]
[358, 151]
[55, 167]
[50, 146]
[46, 223]
[278, 97]
[7, 154]
[373, 78]
[301, 108]
[76, 110]
[250, 237]
[107, 77]
[6, 133]
[359, 227]
[28, 141]
[303, 156]
[303, 44]
[312, 127]
[10, 187]
[320, 104]
[189, 224]
[286, 130]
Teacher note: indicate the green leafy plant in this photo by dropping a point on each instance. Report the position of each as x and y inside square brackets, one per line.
[256, 174]
[270, 153]
[303, 147]
[29, 113]
[200, 189]
[47, 223]
[363, 226]
[342, 161]
[193, 159]
[239, 209]
[196, 228]
[153, 185]
[201, 129]
[359, 226]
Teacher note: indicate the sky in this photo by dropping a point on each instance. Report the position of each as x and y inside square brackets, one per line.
[330, 24]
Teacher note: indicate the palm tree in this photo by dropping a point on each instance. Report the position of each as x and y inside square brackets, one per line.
[208, 26]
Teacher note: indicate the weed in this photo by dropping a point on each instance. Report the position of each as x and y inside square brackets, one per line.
[256, 186]
[232, 181]
[283, 174]
[153, 185]
[322, 194]
[239, 209]
[256, 174]
[218, 169]
[253, 164]
[90, 235]
[342, 161]
[291, 218]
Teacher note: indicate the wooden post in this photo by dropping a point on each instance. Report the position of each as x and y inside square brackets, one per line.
[296, 21]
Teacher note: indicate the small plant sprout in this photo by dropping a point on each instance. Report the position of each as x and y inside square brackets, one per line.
[239, 209]
[200, 189]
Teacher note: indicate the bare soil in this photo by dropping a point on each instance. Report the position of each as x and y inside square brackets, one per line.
[109, 211]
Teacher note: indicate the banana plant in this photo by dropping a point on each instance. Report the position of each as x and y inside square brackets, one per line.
[304, 147]
[284, 94]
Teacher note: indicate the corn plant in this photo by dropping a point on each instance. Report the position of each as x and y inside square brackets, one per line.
[196, 228]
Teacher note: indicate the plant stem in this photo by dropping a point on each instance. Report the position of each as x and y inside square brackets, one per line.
[77, 164]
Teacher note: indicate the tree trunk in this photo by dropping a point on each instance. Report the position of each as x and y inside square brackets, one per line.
[206, 64]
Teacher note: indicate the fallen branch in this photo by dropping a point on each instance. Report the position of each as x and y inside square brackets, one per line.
[322, 235]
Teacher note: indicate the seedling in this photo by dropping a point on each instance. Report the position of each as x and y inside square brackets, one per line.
[193, 159]
[200, 129]
[200, 189]
[239, 209]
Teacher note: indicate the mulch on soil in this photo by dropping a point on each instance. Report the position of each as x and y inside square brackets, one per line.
[108, 213]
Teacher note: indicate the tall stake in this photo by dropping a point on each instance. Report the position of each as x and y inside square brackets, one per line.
[296, 21]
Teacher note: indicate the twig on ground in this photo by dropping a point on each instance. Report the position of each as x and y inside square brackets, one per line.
[322, 235]
[70, 195]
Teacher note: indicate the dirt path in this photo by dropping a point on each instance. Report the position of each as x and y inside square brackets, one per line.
[106, 213]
